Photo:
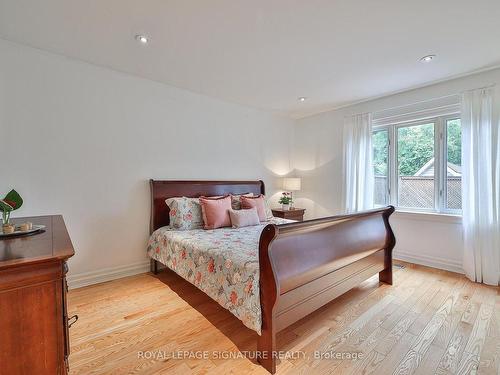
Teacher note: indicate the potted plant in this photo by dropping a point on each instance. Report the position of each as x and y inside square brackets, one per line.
[285, 200]
[11, 202]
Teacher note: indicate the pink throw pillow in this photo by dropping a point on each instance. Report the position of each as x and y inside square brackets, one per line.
[244, 218]
[255, 202]
[215, 212]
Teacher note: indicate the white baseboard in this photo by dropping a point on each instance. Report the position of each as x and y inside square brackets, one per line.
[430, 261]
[106, 274]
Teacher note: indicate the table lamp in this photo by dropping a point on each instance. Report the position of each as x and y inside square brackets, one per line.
[291, 184]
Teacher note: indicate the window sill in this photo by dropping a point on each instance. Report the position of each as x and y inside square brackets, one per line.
[429, 216]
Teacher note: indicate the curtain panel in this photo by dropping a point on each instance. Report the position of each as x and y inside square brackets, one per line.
[480, 157]
[358, 169]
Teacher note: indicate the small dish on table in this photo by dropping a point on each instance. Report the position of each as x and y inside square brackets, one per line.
[23, 228]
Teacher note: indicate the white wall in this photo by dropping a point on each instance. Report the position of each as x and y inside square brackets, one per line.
[317, 157]
[83, 141]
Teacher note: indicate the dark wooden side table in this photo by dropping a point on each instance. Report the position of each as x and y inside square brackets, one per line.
[34, 323]
[292, 214]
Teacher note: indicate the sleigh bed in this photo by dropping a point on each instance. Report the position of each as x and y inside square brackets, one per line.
[296, 268]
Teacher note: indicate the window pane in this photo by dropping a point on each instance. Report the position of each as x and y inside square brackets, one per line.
[416, 166]
[454, 165]
[380, 166]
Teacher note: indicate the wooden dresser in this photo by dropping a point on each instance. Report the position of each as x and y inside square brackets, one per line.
[33, 315]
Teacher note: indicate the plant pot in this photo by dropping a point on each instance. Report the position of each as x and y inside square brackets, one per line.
[285, 207]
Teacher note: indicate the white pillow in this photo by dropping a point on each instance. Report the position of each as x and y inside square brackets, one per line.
[269, 212]
[244, 217]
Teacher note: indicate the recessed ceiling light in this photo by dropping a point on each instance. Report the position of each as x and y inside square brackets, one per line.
[302, 99]
[428, 58]
[142, 39]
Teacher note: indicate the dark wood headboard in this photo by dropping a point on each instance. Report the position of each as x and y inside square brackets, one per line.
[163, 189]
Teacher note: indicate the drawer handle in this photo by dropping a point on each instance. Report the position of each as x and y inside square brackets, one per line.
[70, 322]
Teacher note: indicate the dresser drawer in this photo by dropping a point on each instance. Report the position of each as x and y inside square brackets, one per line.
[29, 274]
[295, 214]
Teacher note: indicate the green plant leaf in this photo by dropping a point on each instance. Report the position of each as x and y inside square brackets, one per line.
[5, 207]
[13, 199]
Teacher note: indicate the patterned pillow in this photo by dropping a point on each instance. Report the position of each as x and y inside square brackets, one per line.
[236, 200]
[269, 211]
[185, 213]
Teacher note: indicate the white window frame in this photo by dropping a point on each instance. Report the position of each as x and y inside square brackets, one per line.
[439, 117]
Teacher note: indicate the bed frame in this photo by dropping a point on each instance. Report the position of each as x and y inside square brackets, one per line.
[303, 265]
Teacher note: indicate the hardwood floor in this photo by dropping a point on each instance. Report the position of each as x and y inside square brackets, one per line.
[428, 322]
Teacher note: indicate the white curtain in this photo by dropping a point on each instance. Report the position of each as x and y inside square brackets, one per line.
[358, 170]
[479, 195]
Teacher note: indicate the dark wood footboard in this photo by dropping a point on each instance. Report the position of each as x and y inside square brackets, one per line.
[305, 265]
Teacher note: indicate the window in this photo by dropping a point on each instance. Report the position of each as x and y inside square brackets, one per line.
[381, 166]
[454, 165]
[417, 164]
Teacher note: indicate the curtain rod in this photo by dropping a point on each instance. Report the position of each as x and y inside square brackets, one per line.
[418, 102]
[432, 99]
[425, 113]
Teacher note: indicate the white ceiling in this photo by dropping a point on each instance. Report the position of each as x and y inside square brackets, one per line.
[266, 53]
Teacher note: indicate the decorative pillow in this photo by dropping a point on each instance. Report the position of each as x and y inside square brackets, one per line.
[185, 213]
[236, 200]
[215, 212]
[269, 211]
[244, 218]
[260, 204]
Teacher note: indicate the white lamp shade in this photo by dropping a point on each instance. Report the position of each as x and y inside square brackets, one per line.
[291, 183]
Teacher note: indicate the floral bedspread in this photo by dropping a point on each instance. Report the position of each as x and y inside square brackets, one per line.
[223, 263]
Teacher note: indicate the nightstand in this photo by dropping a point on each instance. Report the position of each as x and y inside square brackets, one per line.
[292, 214]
